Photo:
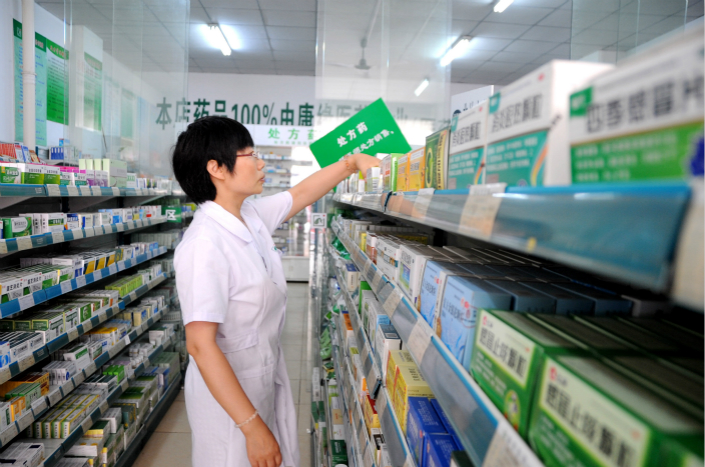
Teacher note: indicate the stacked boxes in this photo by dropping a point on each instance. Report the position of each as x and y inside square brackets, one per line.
[468, 137]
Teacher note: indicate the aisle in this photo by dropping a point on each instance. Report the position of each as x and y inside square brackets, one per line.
[170, 444]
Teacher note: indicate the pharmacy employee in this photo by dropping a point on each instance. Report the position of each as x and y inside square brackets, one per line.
[232, 291]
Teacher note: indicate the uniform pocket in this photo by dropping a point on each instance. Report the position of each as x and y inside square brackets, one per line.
[244, 355]
[238, 342]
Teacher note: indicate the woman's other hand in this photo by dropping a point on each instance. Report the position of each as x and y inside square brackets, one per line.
[362, 162]
[262, 446]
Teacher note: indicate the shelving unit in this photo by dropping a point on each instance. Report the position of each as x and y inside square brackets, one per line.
[481, 427]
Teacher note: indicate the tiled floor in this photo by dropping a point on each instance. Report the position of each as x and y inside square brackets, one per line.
[171, 443]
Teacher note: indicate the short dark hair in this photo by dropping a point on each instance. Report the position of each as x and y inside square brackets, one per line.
[209, 138]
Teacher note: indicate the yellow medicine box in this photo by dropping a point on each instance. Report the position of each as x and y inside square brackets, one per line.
[417, 169]
[409, 383]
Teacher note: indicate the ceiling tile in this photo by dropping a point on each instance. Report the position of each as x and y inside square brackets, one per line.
[499, 30]
[482, 77]
[661, 7]
[235, 16]
[297, 72]
[306, 56]
[488, 43]
[595, 37]
[533, 47]
[298, 5]
[198, 15]
[471, 10]
[695, 9]
[515, 57]
[476, 55]
[250, 4]
[499, 67]
[299, 19]
[287, 33]
[547, 33]
[519, 15]
[292, 45]
[559, 19]
[295, 65]
[539, 3]
[461, 27]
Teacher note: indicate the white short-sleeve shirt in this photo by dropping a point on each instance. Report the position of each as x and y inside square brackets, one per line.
[220, 263]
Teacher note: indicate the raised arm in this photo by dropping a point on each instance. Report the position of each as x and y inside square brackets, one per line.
[318, 184]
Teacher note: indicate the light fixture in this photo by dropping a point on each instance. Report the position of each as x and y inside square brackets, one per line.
[502, 5]
[217, 39]
[422, 87]
[456, 50]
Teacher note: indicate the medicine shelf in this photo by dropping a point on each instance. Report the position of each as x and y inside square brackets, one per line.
[11, 245]
[15, 306]
[66, 444]
[399, 452]
[625, 231]
[55, 395]
[486, 435]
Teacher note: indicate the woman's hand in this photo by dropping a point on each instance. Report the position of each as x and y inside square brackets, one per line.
[262, 446]
[362, 162]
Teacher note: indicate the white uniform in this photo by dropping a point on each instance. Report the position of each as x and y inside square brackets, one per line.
[232, 275]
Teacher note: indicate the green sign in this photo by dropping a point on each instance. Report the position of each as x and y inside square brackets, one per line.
[372, 130]
[172, 213]
[57, 83]
[93, 93]
[40, 65]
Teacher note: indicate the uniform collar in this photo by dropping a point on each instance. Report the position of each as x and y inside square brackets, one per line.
[231, 223]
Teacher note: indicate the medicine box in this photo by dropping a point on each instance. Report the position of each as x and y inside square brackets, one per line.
[566, 303]
[463, 297]
[634, 337]
[507, 359]
[605, 303]
[31, 174]
[527, 128]
[389, 172]
[409, 382]
[13, 227]
[446, 422]
[422, 421]
[468, 137]
[436, 159]
[438, 449]
[412, 262]
[631, 423]
[372, 314]
[644, 119]
[52, 174]
[403, 173]
[9, 173]
[433, 285]
[395, 359]
[524, 299]
[352, 276]
[417, 170]
[386, 340]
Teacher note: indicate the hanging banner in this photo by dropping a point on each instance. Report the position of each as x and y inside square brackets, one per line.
[40, 64]
[372, 130]
[281, 135]
[92, 93]
[57, 83]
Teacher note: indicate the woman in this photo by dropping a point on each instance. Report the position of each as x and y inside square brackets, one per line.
[232, 291]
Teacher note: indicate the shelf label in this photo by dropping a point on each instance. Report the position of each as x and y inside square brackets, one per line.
[66, 287]
[487, 189]
[104, 407]
[57, 237]
[78, 379]
[73, 334]
[130, 224]
[97, 274]
[139, 223]
[508, 449]
[422, 202]
[120, 226]
[116, 191]
[86, 190]
[390, 305]
[88, 232]
[80, 281]
[24, 243]
[86, 423]
[87, 325]
[9, 433]
[112, 269]
[27, 301]
[3, 247]
[419, 339]
[39, 405]
[147, 363]
[124, 384]
[376, 280]
[25, 420]
[77, 234]
[26, 363]
[409, 462]
[5, 374]
[54, 396]
[127, 340]
[73, 191]
[381, 405]
[95, 190]
[479, 214]
[67, 387]
[90, 369]
[53, 190]
[133, 296]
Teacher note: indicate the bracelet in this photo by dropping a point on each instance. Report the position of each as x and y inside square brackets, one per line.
[240, 425]
[346, 159]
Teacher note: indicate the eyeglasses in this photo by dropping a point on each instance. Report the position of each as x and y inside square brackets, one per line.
[255, 154]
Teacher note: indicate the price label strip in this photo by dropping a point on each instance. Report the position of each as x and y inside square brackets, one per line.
[3, 247]
[53, 190]
[54, 396]
[57, 237]
[73, 191]
[112, 269]
[89, 232]
[507, 449]
[80, 281]
[26, 302]
[77, 234]
[86, 423]
[422, 202]
[39, 405]
[24, 243]
[390, 305]
[479, 214]
[419, 340]
[26, 363]
[25, 420]
[120, 227]
[5, 374]
[10, 432]
[376, 280]
[73, 334]
[86, 190]
[66, 287]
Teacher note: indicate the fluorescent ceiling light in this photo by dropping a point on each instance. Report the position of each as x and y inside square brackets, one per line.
[232, 37]
[502, 5]
[422, 87]
[217, 39]
[458, 48]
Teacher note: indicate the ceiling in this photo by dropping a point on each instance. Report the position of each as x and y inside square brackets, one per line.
[278, 37]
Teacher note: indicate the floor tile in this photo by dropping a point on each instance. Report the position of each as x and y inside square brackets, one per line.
[295, 388]
[293, 352]
[180, 396]
[306, 370]
[305, 392]
[172, 449]
[294, 368]
[175, 420]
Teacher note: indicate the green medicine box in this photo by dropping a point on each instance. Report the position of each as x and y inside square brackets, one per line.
[10, 174]
[31, 174]
[507, 358]
[586, 414]
[13, 227]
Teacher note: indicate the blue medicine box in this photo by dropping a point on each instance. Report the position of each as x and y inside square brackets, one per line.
[438, 449]
[432, 285]
[421, 421]
[567, 303]
[525, 299]
[462, 297]
[606, 304]
[446, 423]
